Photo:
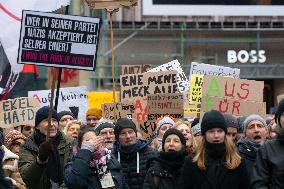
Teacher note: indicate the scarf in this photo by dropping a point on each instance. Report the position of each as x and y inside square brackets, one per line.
[172, 161]
[99, 161]
[53, 165]
[215, 150]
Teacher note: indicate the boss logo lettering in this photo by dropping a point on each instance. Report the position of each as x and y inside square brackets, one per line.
[244, 56]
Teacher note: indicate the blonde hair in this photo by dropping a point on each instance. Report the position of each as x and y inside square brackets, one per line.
[70, 123]
[232, 161]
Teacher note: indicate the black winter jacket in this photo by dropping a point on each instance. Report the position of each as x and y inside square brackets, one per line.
[216, 176]
[268, 172]
[78, 174]
[133, 170]
[248, 150]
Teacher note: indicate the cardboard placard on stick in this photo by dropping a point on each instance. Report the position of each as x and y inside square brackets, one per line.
[135, 69]
[233, 106]
[58, 40]
[114, 111]
[140, 85]
[215, 70]
[18, 103]
[242, 89]
[182, 81]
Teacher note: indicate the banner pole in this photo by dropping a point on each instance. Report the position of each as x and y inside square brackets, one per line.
[112, 56]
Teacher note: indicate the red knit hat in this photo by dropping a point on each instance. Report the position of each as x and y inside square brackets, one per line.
[12, 136]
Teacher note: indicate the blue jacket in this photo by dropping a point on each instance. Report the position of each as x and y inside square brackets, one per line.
[78, 174]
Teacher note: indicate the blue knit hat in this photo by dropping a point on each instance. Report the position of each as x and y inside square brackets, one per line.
[42, 114]
[165, 120]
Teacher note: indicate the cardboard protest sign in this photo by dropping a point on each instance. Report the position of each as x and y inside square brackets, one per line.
[114, 111]
[58, 40]
[72, 99]
[134, 69]
[241, 89]
[96, 99]
[195, 89]
[182, 81]
[140, 85]
[208, 69]
[233, 106]
[18, 111]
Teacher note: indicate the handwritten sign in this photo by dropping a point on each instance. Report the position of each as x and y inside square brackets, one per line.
[182, 81]
[233, 106]
[58, 40]
[140, 85]
[72, 99]
[134, 69]
[18, 111]
[96, 99]
[208, 69]
[195, 89]
[114, 111]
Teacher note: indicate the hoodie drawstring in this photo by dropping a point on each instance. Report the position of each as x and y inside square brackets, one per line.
[137, 162]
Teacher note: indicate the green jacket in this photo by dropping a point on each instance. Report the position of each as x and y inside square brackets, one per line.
[34, 174]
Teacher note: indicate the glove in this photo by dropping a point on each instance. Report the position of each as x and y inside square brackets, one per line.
[87, 145]
[44, 151]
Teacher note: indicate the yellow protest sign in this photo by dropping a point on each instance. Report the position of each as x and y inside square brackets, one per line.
[96, 99]
[195, 89]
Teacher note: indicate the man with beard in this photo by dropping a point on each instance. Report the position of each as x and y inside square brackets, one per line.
[268, 171]
[255, 132]
[105, 129]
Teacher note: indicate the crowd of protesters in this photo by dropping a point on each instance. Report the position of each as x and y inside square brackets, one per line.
[216, 151]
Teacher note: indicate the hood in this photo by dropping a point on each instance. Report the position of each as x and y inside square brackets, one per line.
[247, 148]
[10, 160]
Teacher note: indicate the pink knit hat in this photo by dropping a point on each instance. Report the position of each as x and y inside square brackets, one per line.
[12, 136]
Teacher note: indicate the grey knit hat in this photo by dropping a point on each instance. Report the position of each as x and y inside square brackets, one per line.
[253, 117]
[196, 129]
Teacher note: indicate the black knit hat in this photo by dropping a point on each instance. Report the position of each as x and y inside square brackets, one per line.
[195, 121]
[231, 121]
[173, 131]
[42, 114]
[123, 123]
[213, 119]
[279, 111]
[102, 126]
[63, 113]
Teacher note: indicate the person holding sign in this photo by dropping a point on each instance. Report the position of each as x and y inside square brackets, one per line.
[165, 171]
[216, 164]
[93, 166]
[41, 161]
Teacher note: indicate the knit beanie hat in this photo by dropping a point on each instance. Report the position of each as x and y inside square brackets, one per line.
[63, 113]
[173, 131]
[195, 121]
[165, 120]
[196, 129]
[42, 114]
[279, 111]
[231, 121]
[123, 123]
[251, 118]
[213, 119]
[94, 112]
[103, 125]
[12, 136]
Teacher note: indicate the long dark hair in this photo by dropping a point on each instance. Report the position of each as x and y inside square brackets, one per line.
[82, 133]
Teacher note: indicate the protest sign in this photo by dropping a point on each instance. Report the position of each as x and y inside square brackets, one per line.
[182, 81]
[18, 111]
[208, 69]
[191, 110]
[195, 89]
[58, 40]
[114, 111]
[233, 106]
[96, 99]
[241, 89]
[72, 99]
[134, 69]
[140, 85]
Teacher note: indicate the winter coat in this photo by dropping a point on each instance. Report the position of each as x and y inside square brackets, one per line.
[134, 162]
[34, 174]
[4, 182]
[11, 170]
[268, 172]
[248, 150]
[78, 173]
[216, 176]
